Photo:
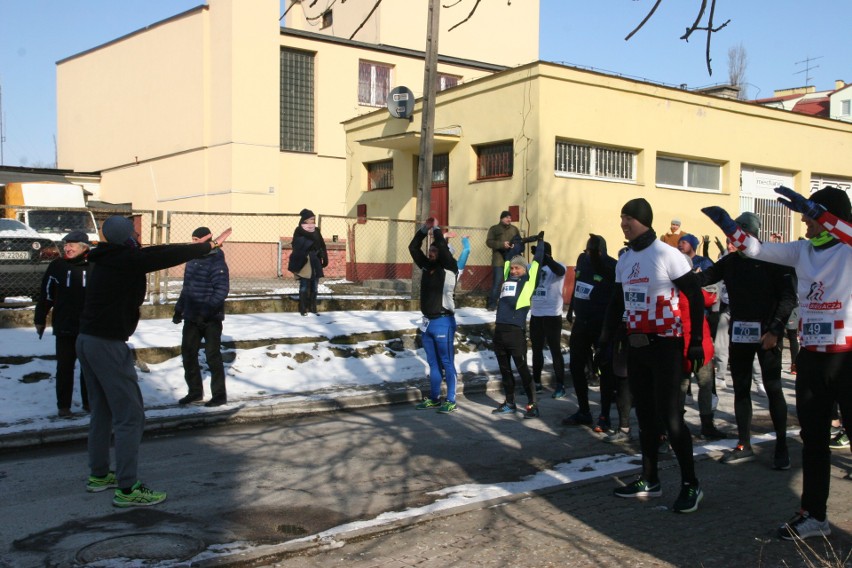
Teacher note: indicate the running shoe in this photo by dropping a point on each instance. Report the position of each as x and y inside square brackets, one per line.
[740, 454]
[559, 392]
[839, 442]
[664, 447]
[781, 461]
[428, 403]
[639, 488]
[803, 526]
[505, 408]
[539, 387]
[97, 484]
[689, 498]
[618, 437]
[603, 424]
[835, 430]
[447, 407]
[578, 419]
[139, 496]
[532, 411]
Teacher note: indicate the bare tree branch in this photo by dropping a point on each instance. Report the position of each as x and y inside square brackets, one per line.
[697, 21]
[451, 5]
[642, 23]
[469, 16]
[367, 17]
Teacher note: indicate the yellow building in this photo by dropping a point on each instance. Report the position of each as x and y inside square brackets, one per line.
[566, 148]
[221, 109]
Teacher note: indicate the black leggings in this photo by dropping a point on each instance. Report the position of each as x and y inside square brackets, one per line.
[510, 345]
[741, 358]
[547, 329]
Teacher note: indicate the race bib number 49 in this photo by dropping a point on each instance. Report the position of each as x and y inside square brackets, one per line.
[817, 331]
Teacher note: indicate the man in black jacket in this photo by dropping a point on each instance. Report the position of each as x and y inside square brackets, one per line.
[201, 307]
[63, 290]
[114, 293]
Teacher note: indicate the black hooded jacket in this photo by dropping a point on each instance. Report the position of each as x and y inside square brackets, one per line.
[63, 289]
[594, 272]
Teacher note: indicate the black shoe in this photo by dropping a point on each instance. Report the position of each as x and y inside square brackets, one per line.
[578, 419]
[712, 433]
[781, 461]
[216, 402]
[190, 399]
[539, 387]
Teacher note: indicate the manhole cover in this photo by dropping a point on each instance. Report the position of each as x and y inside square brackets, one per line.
[145, 546]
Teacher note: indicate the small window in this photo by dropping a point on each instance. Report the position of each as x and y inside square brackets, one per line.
[595, 161]
[846, 107]
[380, 175]
[494, 160]
[374, 80]
[447, 81]
[686, 174]
[327, 19]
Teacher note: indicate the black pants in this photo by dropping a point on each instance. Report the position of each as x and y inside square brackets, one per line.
[584, 337]
[741, 358]
[66, 359]
[823, 378]
[654, 372]
[510, 345]
[193, 333]
[547, 329]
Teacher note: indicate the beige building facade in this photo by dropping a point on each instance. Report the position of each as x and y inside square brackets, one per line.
[221, 109]
[566, 148]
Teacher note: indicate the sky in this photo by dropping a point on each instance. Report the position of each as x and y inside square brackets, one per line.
[778, 36]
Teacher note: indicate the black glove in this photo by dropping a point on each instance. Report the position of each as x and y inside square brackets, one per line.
[695, 355]
[323, 260]
[602, 356]
[177, 318]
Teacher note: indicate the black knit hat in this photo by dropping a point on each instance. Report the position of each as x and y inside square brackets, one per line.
[77, 237]
[505, 214]
[305, 214]
[835, 200]
[200, 232]
[640, 210]
[117, 229]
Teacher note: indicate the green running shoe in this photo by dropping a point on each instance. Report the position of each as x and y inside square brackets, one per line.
[447, 407]
[97, 484]
[140, 496]
[428, 403]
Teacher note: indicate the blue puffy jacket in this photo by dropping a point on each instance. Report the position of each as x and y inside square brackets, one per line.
[205, 286]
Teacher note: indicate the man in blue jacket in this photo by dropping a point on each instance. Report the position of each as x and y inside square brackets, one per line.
[201, 307]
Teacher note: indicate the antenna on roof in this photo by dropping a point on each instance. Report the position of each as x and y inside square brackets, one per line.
[808, 67]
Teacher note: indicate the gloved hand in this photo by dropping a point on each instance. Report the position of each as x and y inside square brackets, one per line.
[721, 218]
[602, 356]
[798, 203]
[39, 330]
[177, 318]
[720, 246]
[695, 355]
[427, 225]
[323, 260]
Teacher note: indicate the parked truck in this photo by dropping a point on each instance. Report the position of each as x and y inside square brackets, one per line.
[52, 209]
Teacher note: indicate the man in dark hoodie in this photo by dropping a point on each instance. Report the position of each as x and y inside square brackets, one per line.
[114, 293]
[63, 289]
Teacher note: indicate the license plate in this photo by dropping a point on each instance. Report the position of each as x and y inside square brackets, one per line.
[14, 255]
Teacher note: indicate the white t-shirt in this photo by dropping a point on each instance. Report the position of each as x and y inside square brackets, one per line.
[650, 298]
[547, 296]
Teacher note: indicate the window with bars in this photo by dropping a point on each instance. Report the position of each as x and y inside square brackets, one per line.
[380, 175]
[687, 174]
[447, 81]
[297, 101]
[494, 161]
[595, 161]
[374, 80]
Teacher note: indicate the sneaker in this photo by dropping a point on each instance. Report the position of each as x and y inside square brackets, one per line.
[714, 402]
[835, 430]
[578, 419]
[781, 462]
[759, 390]
[97, 484]
[602, 425]
[618, 437]
[839, 442]
[65, 413]
[639, 488]
[532, 411]
[428, 403]
[710, 432]
[539, 387]
[191, 399]
[505, 408]
[559, 392]
[802, 526]
[216, 402]
[664, 447]
[689, 498]
[447, 407]
[139, 496]
[740, 454]
[793, 369]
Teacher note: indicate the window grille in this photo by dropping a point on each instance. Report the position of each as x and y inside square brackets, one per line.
[380, 175]
[494, 161]
[595, 161]
[297, 101]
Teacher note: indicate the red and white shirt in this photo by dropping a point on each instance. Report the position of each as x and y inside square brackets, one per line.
[651, 301]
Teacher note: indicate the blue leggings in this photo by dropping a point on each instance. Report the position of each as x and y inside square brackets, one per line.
[438, 342]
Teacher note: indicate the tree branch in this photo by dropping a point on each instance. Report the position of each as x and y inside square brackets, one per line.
[367, 17]
[469, 16]
[642, 23]
[697, 21]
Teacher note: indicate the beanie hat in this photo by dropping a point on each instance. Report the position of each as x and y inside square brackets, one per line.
[519, 260]
[305, 214]
[640, 210]
[77, 237]
[117, 229]
[749, 222]
[691, 239]
[676, 221]
[505, 214]
[200, 232]
[835, 200]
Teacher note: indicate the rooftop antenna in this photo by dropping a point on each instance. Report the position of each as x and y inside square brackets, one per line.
[807, 69]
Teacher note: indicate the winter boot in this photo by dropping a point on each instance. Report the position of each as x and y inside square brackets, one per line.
[709, 430]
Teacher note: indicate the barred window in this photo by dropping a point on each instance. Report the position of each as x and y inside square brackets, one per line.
[494, 160]
[595, 161]
[380, 175]
[374, 80]
[297, 101]
[688, 174]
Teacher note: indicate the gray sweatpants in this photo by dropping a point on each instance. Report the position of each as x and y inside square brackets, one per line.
[116, 404]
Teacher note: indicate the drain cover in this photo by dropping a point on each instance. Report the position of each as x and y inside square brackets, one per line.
[143, 546]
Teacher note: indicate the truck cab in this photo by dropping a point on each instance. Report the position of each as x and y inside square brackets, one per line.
[51, 209]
